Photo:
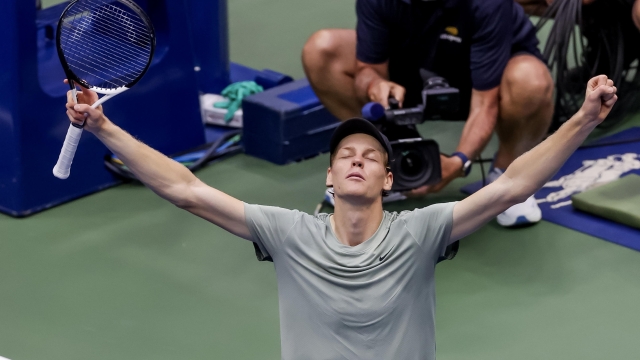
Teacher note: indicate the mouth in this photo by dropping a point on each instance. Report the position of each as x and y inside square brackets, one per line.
[355, 175]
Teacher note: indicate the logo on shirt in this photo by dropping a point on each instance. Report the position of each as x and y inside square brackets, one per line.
[451, 34]
[385, 255]
[452, 30]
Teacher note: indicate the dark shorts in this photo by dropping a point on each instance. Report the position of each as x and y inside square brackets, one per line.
[413, 96]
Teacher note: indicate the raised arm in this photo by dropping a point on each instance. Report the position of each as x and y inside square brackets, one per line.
[532, 170]
[167, 178]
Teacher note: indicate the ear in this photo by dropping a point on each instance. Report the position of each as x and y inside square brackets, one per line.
[388, 181]
[329, 181]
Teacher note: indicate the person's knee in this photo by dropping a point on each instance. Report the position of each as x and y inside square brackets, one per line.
[320, 49]
[527, 84]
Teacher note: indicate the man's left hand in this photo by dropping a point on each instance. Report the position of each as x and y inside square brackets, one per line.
[451, 169]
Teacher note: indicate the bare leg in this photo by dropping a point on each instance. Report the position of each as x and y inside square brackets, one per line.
[329, 61]
[526, 107]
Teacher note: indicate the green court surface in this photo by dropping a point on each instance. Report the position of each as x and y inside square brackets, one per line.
[122, 274]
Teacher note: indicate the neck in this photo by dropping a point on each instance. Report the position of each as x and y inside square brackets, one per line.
[353, 224]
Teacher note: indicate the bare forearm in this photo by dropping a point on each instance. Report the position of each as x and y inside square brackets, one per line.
[477, 131]
[164, 176]
[481, 122]
[533, 169]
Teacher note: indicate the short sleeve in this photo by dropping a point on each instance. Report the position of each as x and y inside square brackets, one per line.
[431, 227]
[372, 33]
[269, 227]
[491, 42]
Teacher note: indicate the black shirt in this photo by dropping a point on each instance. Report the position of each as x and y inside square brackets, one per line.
[468, 42]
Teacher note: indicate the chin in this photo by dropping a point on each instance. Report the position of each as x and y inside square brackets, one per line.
[354, 192]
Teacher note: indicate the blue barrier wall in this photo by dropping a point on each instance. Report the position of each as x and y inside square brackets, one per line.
[162, 110]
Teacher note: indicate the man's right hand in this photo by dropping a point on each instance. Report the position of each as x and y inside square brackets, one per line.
[380, 90]
[82, 113]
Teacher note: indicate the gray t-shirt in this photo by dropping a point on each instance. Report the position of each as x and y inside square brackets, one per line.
[375, 300]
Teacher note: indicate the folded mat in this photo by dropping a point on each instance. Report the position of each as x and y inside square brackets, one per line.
[618, 200]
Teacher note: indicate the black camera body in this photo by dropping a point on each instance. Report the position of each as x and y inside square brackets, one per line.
[416, 161]
[438, 98]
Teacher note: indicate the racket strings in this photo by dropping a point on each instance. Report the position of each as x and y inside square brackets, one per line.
[124, 16]
[84, 51]
[105, 45]
[114, 31]
[79, 49]
[82, 61]
[112, 19]
[79, 32]
[111, 32]
[81, 45]
[93, 65]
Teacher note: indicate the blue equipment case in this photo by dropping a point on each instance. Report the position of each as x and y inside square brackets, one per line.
[162, 110]
[286, 123]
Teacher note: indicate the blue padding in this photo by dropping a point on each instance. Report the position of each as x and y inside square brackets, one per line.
[303, 96]
[266, 78]
[239, 72]
[584, 159]
[269, 79]
[286, 123]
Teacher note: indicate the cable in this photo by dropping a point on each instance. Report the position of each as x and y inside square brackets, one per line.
[481, 162]
[226, 145]
[603, 40]
[215, 147]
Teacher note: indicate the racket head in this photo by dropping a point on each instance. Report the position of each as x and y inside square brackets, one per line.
[105, 45]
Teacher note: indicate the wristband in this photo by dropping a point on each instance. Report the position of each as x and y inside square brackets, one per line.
[466, 163]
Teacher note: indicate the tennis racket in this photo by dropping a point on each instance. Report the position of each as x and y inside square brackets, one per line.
[105, 46]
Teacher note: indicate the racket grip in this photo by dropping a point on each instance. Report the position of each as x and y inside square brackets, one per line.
[63, 167]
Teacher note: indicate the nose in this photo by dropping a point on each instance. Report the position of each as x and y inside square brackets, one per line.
[357, 163]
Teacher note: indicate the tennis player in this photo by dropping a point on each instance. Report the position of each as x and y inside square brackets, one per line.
[358, 283]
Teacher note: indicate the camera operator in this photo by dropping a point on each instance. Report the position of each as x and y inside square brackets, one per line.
[485, 48]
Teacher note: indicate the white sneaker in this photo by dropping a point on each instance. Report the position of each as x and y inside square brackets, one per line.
[525, 213]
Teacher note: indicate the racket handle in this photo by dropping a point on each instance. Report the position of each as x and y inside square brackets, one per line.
[63, 167]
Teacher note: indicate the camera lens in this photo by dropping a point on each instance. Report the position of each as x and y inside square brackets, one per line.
[416, 162]
[412, 164]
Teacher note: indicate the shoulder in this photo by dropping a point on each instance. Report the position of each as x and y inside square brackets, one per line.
[433, 209]
[429, 217]
[268, 213]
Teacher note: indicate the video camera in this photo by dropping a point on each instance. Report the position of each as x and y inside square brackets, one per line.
[416, 161]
